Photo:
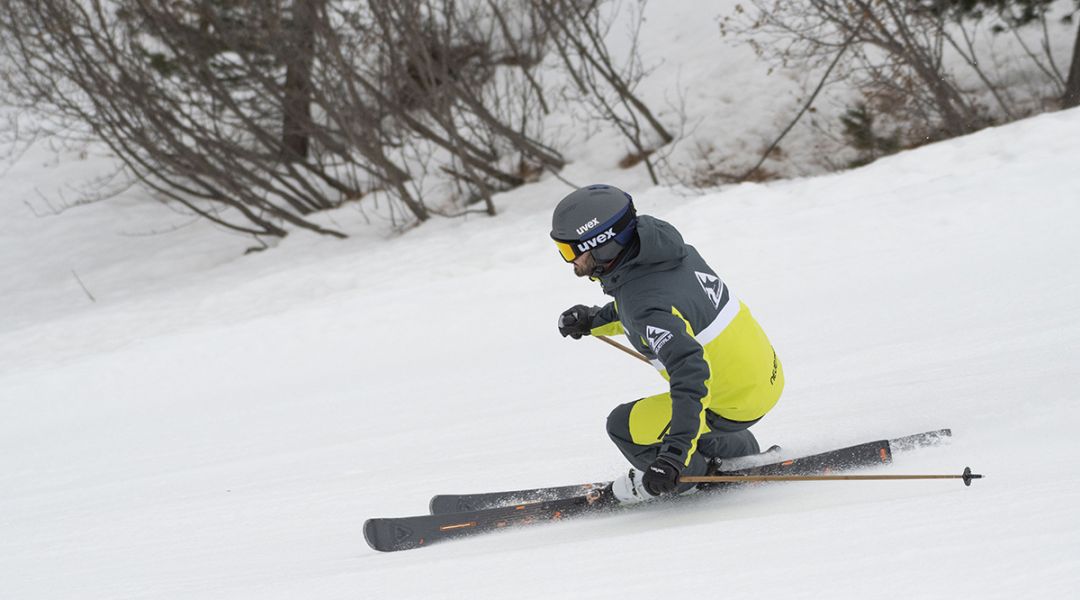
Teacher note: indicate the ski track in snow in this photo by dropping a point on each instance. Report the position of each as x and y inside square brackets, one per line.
[218, 426]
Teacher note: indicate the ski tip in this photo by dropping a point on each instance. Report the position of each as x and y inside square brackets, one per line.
[371, 535]
[392, 535]
[447, 503]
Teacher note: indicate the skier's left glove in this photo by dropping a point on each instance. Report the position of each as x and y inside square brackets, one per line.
[662, 477]
[576, 321]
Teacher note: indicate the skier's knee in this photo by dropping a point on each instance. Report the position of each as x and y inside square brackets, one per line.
[618, 422]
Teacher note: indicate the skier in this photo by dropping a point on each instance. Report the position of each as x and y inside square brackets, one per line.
[673, 308]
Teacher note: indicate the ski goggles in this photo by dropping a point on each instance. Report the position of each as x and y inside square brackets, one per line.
[619, 228]
[566, 250]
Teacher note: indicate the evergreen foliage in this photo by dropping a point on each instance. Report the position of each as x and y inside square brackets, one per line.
[860, 134]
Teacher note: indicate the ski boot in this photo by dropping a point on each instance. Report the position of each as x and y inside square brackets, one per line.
[628, 489]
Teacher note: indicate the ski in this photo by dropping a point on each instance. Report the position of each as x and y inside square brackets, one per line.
[405, 533]
[451, 503]
[465, 515]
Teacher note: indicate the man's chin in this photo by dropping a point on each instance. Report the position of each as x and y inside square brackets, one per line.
[584, 266]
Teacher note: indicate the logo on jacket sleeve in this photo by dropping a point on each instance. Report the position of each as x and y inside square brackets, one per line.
[713, 287]
[657, 338]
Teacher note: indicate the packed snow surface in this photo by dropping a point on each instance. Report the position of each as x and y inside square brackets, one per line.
[215, 425]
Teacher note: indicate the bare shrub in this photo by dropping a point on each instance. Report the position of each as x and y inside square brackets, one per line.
[923, 69]
[258, 115]
[578, 32]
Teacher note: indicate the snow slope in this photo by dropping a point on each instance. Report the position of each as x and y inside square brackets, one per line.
[218, 426]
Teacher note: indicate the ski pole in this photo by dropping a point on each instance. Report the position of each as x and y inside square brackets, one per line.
[607, 340]
[967, 476]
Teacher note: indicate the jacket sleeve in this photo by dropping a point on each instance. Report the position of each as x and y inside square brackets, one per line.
[669, 337]
[605, 320]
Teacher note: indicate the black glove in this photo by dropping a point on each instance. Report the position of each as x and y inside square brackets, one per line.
[575, 322]
[662, 477]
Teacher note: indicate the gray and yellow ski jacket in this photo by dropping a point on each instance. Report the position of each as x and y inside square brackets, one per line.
[677, 312]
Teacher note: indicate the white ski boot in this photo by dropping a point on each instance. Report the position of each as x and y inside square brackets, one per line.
[628, 488]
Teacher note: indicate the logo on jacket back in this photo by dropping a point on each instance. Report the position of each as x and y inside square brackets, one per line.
[714, 288]
[596, 241]
[657, 338]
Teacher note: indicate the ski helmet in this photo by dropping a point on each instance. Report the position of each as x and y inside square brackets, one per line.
[600, 218]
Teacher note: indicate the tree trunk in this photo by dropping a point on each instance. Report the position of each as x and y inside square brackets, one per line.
[1071, 99]
[296, 124]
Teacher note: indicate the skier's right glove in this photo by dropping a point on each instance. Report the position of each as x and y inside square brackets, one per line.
[575, 322]
[661, 477]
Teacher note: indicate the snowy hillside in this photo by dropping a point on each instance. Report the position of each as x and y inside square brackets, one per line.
[218, 426]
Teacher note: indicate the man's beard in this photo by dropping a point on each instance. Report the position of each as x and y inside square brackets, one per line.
[585, 268]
